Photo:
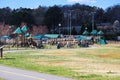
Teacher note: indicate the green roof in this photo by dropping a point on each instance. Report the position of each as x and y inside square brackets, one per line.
[27, 35]
[17, 31]
[24, 28]
[85, 32]
[100, 33]
[6, 37]
[39, 37]
[94, 32]
[52, 35]
[84, 38]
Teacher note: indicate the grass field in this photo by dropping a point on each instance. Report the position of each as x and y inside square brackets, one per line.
[102, 63]
[1, 79]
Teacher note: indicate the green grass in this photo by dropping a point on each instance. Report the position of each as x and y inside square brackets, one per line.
[2, 79]
[96, 77]
[21, 60]
[65, 62]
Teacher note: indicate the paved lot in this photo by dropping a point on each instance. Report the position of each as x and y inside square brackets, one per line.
[9, 73]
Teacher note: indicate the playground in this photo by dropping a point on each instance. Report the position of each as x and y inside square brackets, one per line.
[82, 57]
[21, 37]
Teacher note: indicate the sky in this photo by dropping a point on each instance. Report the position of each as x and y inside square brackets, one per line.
[14, 4]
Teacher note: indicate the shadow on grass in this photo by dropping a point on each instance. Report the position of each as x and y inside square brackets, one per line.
[52, 70]
[7, 58]
[88, 76]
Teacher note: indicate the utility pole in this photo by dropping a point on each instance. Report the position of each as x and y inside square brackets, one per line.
[59, 27]
[93, 13]
[70, 22]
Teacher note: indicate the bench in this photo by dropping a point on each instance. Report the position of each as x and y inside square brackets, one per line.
[1, 51]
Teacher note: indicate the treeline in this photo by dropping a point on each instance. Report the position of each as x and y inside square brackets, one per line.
[77, 14]
[17, 16]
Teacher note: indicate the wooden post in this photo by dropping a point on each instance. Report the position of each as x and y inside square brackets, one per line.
[1, 51]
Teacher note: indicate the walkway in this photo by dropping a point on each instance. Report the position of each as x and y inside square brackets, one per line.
[9, 73]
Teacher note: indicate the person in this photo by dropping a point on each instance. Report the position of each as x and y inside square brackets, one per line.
[79, 43]
[67, 44]
[58, 45]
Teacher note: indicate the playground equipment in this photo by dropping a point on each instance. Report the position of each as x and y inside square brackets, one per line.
[31, 42]
[101, 39]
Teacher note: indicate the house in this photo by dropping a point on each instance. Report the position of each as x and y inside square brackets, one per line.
[67, 29]
[108, 28]
[111, 31]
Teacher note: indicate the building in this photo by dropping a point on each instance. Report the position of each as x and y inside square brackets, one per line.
[67, 29]
[111, 31]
